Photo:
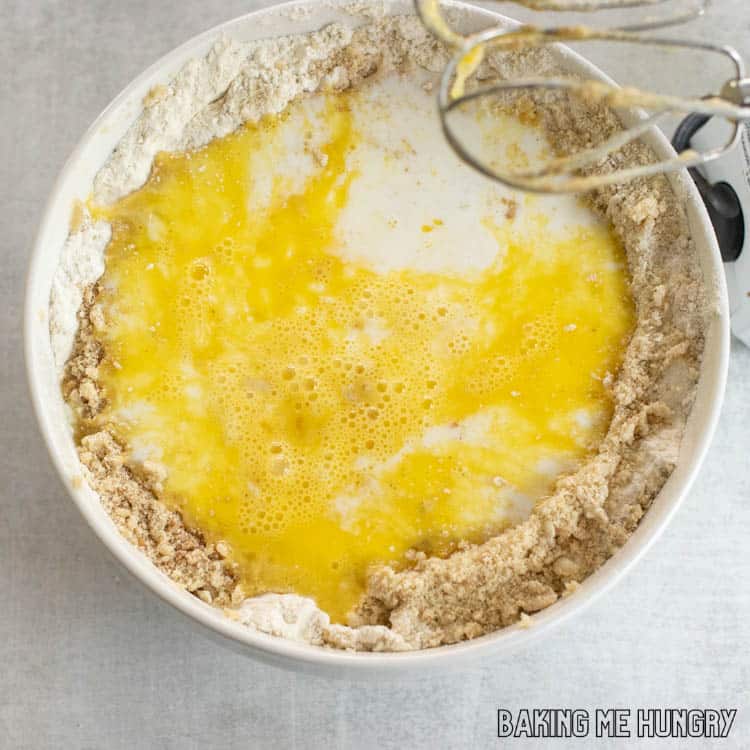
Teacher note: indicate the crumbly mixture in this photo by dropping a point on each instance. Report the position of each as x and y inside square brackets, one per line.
[570, 534]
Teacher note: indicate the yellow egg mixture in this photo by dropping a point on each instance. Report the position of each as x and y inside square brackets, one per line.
[322, 417]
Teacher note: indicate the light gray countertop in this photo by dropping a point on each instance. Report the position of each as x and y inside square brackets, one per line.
[89, 659]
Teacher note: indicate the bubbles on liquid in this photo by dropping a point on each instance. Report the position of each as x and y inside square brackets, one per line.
[358, 371]
[199, 270]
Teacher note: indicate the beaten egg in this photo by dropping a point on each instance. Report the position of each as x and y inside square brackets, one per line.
[345, 348]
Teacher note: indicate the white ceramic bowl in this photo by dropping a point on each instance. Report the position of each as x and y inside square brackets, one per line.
[75, 182]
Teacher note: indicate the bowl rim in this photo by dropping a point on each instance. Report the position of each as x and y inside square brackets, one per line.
[304, 656]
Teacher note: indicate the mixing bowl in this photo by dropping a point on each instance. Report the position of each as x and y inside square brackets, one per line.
[75, 182]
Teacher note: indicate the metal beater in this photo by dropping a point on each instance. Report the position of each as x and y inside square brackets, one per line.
[562, 174]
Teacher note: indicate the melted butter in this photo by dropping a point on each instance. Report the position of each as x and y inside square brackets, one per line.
[320, 416]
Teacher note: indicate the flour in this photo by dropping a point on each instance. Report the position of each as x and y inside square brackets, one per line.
[81, 264]
[298, 619]
[569, 534]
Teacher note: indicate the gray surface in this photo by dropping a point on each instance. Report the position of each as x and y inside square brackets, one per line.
[88, 659]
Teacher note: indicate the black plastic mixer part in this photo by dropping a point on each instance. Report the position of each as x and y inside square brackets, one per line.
[723, 205]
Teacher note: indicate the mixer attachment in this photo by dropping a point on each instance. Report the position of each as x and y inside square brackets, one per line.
[468, 83]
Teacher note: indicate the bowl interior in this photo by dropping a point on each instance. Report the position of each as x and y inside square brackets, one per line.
[75, 182]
